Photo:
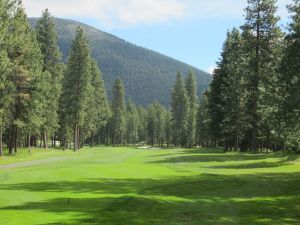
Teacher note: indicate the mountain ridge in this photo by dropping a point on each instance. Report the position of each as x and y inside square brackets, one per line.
[147, 75]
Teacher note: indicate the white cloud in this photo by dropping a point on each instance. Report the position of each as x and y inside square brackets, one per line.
[211, 69]
[111, 12]
[133, 12]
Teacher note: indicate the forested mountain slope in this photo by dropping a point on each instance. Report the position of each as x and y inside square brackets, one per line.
[147, 75]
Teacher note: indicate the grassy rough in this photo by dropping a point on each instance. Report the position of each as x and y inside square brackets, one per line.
[132, 186]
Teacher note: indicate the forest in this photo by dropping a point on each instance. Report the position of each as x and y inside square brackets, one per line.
[253, 102]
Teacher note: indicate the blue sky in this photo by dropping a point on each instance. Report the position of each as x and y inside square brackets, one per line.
[192, 31]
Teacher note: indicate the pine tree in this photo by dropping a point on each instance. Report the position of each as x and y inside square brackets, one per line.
[118, 112]
[191, 89]
[203, 134]
[6, 84]
[233, 125]
[179, 110]
[28, 79]
[99, 107]
[132, 123]
[47, 38]
[77, 87]
[261, 34]
[289, 80]
[214, 107]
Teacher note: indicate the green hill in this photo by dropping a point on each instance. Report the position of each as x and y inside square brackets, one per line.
[147, 75]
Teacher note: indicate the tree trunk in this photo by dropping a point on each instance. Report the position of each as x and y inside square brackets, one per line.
[10, 140]
[16, 139]
[28, 140]
[75, 138]
[1, 144]
[45, 140]
[92, 139]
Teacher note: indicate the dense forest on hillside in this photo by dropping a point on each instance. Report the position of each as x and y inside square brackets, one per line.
[147, 75]
[252, 104]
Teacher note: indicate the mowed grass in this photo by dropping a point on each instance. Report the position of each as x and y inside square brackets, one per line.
[123, 186]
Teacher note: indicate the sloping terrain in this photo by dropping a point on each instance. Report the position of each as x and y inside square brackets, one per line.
[147, 75]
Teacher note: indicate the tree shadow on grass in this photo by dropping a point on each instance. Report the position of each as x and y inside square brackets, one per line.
[214, 158]
[205, 199]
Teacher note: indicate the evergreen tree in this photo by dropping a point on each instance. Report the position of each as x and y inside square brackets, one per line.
[47, 38]
[261, 35]
[132, 123]
[233, 93]
[179, 110]
[214, 106]
[191, 89]
[203, 134]
[118, 113]
[99, 106]
[77, 88]
[289, 80]
[28, 79]
[6, 85]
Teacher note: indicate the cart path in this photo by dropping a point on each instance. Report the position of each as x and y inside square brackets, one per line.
[31, 163]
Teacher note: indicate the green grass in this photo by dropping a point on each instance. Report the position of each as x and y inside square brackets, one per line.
[130, 186]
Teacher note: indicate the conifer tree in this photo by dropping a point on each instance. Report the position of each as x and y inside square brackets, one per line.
[77, 87]
[233, 92]
[28, 79]
[47, 38]
[99, 109]
[214, 106]
[191, 89]
[289, 80]
[203, 134]
[6, 84]
[261, 34]
[179, 110]
[132, 123]
[118, 108]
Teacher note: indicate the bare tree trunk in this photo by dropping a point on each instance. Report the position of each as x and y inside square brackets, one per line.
[45, 140]
[1, 143]
[16, 139]
[92, 139]
[28, 140]
[75, 138]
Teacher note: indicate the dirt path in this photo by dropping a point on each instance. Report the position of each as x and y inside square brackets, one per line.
[31, 163]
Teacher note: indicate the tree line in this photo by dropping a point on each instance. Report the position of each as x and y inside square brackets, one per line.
[252, 104]
[254, 98]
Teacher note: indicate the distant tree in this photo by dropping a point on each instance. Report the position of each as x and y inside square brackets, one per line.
[132, 123]
[47, 38]
[118, 108]
[142, 126]
[191, 88]
[179, 111]
[203, 132]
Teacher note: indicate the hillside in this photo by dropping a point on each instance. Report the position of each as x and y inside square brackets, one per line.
[147, 75]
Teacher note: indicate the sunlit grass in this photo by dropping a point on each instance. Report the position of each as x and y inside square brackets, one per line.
[123, 185]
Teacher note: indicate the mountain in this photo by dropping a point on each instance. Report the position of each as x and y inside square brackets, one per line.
[147, 75]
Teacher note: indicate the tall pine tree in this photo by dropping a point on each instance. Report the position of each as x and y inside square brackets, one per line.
[179, 110]
[261, 34]
[47, 38]
[191, 89]
[118, 113]
[77, 87]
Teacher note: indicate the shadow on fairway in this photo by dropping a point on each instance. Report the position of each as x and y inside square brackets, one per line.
[205, 199]
[203, 157]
